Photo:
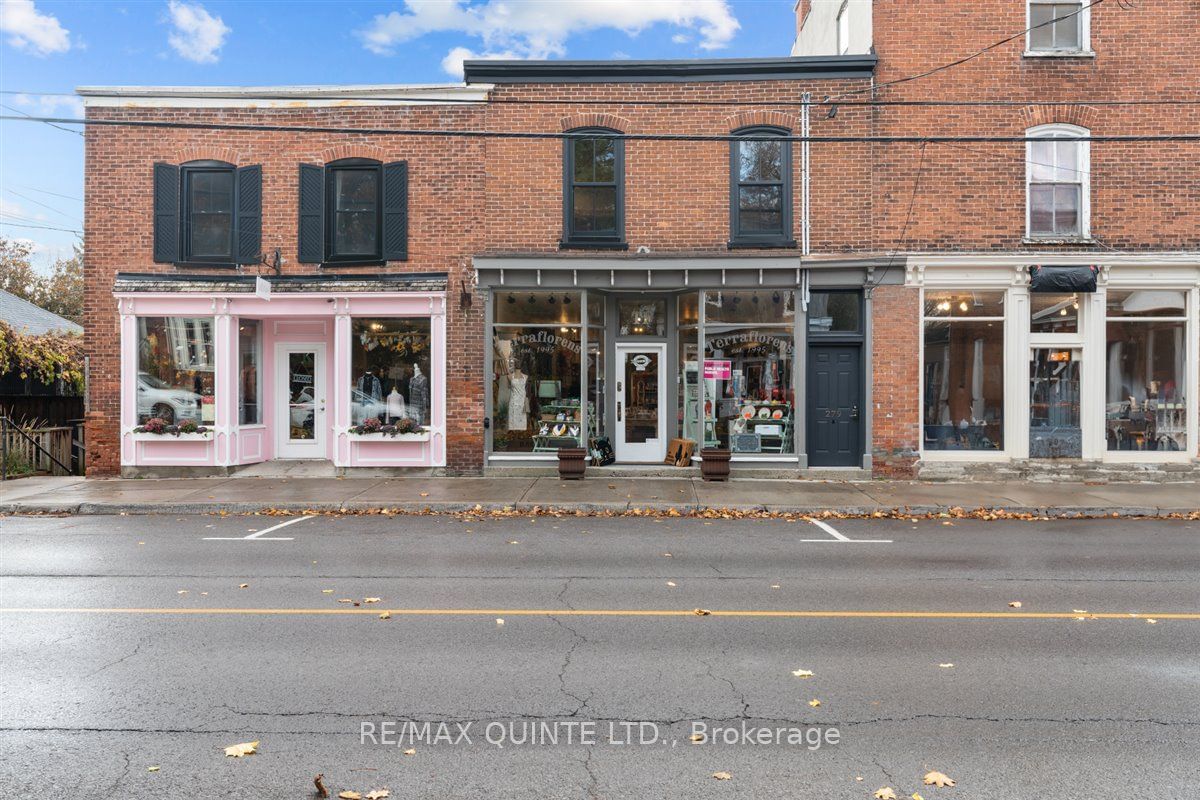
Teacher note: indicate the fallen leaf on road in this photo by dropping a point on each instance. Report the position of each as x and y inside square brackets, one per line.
[814, 702]
[513, 541]
[1015, 604]
[500, 621]
[1078, 610]
[802, 673]
[774, 585]
[701, 612]
[182, 591]
[325, 591]
[345, 600]
[349, 795]
[141, 542]
[378, 794]
[667, 555]
[886, 793]
[319, 782]
[945, 666]
[243, 586]
[410, 752]
[1152, 621]
[938, 779]
[386, 615]
[722, 776]
[244, 749]
[670, 583]
[204, 594]
[151, 769]
[371, 599]
[858, 778]
[696, 737]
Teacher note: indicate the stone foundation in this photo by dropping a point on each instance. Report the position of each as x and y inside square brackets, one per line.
[1051, 470]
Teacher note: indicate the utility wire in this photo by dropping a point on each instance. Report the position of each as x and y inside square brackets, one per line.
[28, 199]
[542, 101]
[42, 227]
[51, 124]
[912, 201]
[567, 136]
[971, 57]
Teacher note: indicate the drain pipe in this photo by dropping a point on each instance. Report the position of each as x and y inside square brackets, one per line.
[804, 170]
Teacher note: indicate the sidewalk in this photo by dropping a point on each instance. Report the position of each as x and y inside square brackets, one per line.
[74, 495]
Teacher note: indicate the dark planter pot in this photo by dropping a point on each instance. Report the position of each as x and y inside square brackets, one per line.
[571, 463]
[714, 464]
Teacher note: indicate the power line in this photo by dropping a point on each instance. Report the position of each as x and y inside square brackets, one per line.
[51, 124]
[971, 57]
[568, 136]
[542, 101]
[42, 227]
[912, 201]
[28, 199]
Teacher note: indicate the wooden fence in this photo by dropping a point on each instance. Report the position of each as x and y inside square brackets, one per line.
[56, 441]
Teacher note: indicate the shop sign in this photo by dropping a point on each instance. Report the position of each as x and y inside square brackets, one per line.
[718, 370]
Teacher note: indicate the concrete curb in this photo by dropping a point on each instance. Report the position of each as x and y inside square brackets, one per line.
[585, 509]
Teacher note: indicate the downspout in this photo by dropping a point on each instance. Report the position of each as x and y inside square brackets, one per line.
[804, 171]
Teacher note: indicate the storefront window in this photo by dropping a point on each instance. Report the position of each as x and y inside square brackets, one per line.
[964, 371]
[536, 365]
[749, 346]
[175, 369]
[249, 386]
[390, 370]
[1146, 394]
[642, 317]
[595, 377]
[689, 366]
[1053, 313]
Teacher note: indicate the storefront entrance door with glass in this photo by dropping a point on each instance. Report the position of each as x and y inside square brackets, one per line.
[300, 401]
[641, 403]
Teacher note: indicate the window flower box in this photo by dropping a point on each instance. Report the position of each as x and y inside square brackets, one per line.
[157, 430]
[142, 436]
[379, 436]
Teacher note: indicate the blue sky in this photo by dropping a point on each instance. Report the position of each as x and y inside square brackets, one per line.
[50, 46]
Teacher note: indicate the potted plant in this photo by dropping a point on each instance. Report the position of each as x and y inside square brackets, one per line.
[714, 464]
[571, 463]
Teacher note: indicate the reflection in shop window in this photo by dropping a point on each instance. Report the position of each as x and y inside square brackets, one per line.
[1051, 312]
[390, 370]
[642, 317]
[1146, 394]
[834, 312]
[249, 387]
[749, 402]
[175, 369]
[963, 404]
[536, 365]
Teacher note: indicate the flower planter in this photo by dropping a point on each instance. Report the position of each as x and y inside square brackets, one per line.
[207, 436]
[571, 463]
[423, 436]
[714, 464]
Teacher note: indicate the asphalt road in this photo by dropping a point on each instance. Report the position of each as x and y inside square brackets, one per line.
[598, 635]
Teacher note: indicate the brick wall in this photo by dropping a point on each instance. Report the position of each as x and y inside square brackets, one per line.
[895, 343]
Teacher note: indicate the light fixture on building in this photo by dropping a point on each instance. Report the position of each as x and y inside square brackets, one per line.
[511, 299]
[775, 297]
[963, 306]
[532, 299]
[566, 299]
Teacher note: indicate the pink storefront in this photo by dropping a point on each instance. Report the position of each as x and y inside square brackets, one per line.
[223, 371]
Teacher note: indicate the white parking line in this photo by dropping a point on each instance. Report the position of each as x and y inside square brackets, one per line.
[260, 536]
[838, 537]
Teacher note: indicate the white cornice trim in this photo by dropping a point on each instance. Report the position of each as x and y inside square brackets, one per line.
[1009, 260]
[280, 96]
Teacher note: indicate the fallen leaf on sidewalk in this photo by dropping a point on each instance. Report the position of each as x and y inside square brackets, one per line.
[1015, 604]
[349, 795]
[243, 586]
[701, 612]
[378, 794]
[722, 776]
[938, 779]
[319, 782]
[802, 673]
[410, 752]
[886, 793]
[244, 749]
[424, 494]
[916, 796]
[945, 666]
[814, 702]
[151, 769]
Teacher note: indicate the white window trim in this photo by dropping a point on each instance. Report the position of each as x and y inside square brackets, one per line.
[1085, 33]
[1061, 131]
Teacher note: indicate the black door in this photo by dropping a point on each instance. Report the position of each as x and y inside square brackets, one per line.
[835, 406]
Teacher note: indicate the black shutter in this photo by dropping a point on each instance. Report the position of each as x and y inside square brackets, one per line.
[166, 213]
[311, 249]
[248, 247]
[395, 211]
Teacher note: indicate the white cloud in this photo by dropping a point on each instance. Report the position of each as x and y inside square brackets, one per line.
[32, 31]
[198, 35]
[681, 38]
[49, 105]
[539, 29]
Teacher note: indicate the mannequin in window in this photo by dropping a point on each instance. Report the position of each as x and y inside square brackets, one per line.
[418, 395]
[518, 401]
[395, 404]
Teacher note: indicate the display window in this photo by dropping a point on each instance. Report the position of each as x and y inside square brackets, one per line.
[249, 364]
[390, 370]
[176, 370]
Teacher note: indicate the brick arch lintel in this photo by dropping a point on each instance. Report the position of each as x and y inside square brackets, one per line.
[208, 153]
[1083, 116]
[757, 117]
[596, 120]
[353, 150]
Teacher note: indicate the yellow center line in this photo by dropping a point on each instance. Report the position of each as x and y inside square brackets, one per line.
[610, 612]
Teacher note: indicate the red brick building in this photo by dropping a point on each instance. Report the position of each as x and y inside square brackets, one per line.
[553, 265]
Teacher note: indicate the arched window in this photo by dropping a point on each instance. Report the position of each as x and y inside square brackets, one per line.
[1057, 174]
[594, 189]
[760, 183]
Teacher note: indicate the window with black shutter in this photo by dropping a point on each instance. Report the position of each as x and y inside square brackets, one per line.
[207, 213]
[353, 212]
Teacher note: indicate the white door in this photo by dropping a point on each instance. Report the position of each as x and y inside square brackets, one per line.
[300, 401]
[641, 403]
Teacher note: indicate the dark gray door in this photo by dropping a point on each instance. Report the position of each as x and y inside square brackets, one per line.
[835, 406]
